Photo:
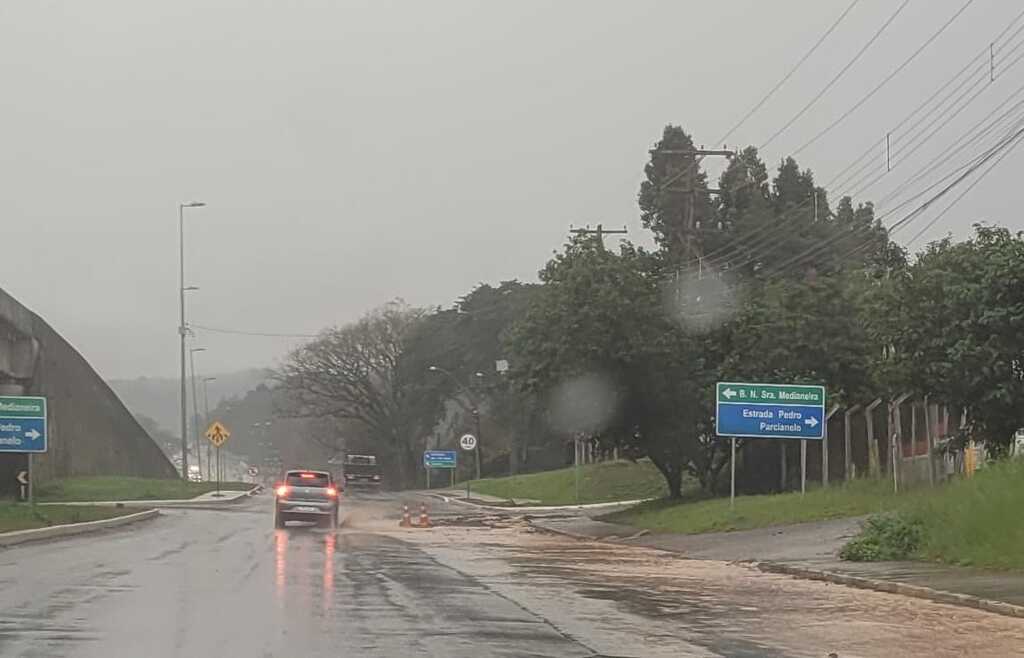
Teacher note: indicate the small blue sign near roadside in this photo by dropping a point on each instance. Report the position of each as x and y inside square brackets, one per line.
[22, 424]
[439, 458]
[770, 411]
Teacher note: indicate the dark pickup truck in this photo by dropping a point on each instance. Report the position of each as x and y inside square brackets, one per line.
[306, 496]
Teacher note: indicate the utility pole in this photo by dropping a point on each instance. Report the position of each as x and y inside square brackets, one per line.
[600, 232]
[687, 235]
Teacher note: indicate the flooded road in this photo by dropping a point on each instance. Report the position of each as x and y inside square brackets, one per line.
[225, 583]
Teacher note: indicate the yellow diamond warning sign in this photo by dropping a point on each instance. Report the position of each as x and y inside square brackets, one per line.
[217, 433]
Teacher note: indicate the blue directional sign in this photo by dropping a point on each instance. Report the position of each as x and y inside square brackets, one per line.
[770, 411]
[22, 424]
[439, 458]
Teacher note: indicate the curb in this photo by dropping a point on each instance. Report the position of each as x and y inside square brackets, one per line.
[891, 587]
[178, 503]
[71, 529]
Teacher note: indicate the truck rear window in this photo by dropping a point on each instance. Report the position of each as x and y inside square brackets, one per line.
[307, 479]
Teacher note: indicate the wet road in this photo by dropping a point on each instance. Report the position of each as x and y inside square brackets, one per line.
[225, 583]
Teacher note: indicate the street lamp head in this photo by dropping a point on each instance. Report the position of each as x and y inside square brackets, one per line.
[188, 288]
[432, 368]
[197, 349]
[209, 379]
[193, 204]
[479, 374]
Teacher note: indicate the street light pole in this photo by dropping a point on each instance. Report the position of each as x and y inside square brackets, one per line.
[195, 406]
[475, 410]
[182, 330]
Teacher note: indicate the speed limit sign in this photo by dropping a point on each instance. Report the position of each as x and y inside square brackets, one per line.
[467, 442]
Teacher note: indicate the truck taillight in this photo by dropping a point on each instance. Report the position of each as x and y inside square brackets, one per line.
[282, 491]
[332, 492]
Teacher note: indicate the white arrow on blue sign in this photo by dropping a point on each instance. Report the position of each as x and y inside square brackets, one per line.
[770, 411]
[22, 424]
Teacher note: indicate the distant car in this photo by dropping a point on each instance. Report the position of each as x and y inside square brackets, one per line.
[362, 470]
[306, 496]
[194, 474]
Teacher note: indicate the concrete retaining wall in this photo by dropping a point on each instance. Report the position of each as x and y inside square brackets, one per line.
[90, 430]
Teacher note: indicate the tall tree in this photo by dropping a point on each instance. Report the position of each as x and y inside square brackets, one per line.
[351, 373]
[675, 187]
[599, 345]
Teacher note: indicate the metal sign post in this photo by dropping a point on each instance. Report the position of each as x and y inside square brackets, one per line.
[803, 466]
[732, 468]
[468, 443]
[217, 433]
[576, 468]
[25, 482]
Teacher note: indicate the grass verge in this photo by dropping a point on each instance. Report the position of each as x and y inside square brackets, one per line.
[20, 516]
[81, 489]
[970, 522]
[599, 483]
[714, 515]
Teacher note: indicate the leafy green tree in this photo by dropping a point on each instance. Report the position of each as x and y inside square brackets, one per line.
[957, 330]
[599, 328]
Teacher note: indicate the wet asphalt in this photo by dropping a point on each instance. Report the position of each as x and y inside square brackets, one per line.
[226, 583]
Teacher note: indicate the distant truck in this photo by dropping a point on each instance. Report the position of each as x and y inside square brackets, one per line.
[361, 470]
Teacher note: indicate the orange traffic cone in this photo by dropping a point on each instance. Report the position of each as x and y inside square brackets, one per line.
[406, 521]
[424, 518]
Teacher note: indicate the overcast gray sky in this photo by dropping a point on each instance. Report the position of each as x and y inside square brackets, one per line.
[353, 152]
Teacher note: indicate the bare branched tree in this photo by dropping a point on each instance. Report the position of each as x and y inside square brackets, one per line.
[351, 374]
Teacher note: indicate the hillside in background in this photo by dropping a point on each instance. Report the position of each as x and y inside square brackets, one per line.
[157, 397]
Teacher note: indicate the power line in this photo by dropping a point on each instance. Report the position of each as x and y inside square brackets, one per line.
[789, 74]
[796, 261]
[239, 332]
[885, 80]
[837, 76]
[855, 179]
[962, 142]
[859, 182]
[921, 138]
[1008, 141]
[968, 189]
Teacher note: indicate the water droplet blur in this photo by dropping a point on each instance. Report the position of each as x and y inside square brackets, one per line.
[586, 403]
[699, 300]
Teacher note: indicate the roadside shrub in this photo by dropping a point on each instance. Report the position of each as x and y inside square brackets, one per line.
[885, 537]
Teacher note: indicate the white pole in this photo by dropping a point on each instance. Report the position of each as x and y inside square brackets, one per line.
[732, 478]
